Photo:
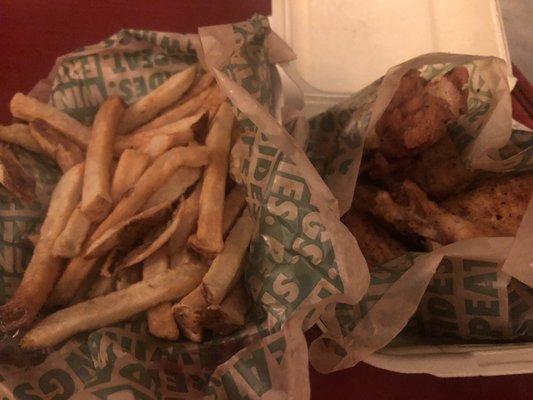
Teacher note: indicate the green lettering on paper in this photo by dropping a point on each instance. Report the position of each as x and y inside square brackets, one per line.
[231, 389]
[176, 382]
[482, 284]
[103, 375]
[110, 392]
[140, 350]
[82, 365]
[156, 79]
[54, 380]
[481, 327]
[21, 392]
[277, 348]
[118, 68]
[254, 370]
[262, 168]
[125, 87]
[481, 309]
[468, 265]
[140, 86]
[441, 307]
[161, 60]
[137, 373]
[132, 60]
[147, 58]
[441, 286]
[439, 324]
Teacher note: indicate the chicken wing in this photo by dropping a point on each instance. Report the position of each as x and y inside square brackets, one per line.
[375, 242]
[409, 210]
[439, 169]
[497, 205]
[419, 112]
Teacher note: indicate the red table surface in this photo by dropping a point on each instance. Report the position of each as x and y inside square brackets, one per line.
[34, 32]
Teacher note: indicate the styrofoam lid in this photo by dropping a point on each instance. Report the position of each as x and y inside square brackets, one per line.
[343, 45]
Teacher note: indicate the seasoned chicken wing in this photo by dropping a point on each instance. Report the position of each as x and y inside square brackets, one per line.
[376, 244]
[410, 211]
[439, 169]
[419, 112]
[497, 204]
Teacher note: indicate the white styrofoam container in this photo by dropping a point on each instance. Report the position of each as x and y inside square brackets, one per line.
[342, 46]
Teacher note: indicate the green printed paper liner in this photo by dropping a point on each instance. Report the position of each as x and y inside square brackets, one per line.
[301, 258]
[476, 308]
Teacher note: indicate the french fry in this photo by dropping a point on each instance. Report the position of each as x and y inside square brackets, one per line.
[130, 167]
[182, 110]
[65, 152]
[127, 277]
[209, 238]
[71, 280]
[184, 256]
[180, 222]
[70, 242]
[128, 231]
[213, 101]
[230, 315]
[33, 238]
[175, 186]
[161, 143]
[113, 307]
[160, 318]
[188, 313]
[27, 108]
[19, 134]
[44, 268]
[96, 197]
[181, 133]
[226, 268]
[189, 216]
[14, 178]
[150, 105]
[109, 262]
[200, 85]
[233, 206]
[153, 178]
[101, 286]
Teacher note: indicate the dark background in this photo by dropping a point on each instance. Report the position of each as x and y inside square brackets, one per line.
[34, 32]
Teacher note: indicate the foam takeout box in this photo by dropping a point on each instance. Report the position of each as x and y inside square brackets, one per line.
[370, 37]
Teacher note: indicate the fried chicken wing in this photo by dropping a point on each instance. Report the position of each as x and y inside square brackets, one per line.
[376, 244]
[419, 112]
[497, 204]
[410, 211]
[439, 169]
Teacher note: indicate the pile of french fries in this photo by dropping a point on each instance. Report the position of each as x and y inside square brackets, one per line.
[143, 219]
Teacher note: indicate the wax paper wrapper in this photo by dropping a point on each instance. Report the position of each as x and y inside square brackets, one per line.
[472, 295]
[301, 258]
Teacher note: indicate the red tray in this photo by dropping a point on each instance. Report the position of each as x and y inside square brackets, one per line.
[35, 32]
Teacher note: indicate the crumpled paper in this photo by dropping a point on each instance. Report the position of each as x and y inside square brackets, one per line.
[301, 260]
[486, 304]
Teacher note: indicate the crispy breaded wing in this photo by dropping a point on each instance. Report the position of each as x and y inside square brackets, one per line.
[374, 241]
[497, 204]
[419, 112]
[440, 170]
[410, 211]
